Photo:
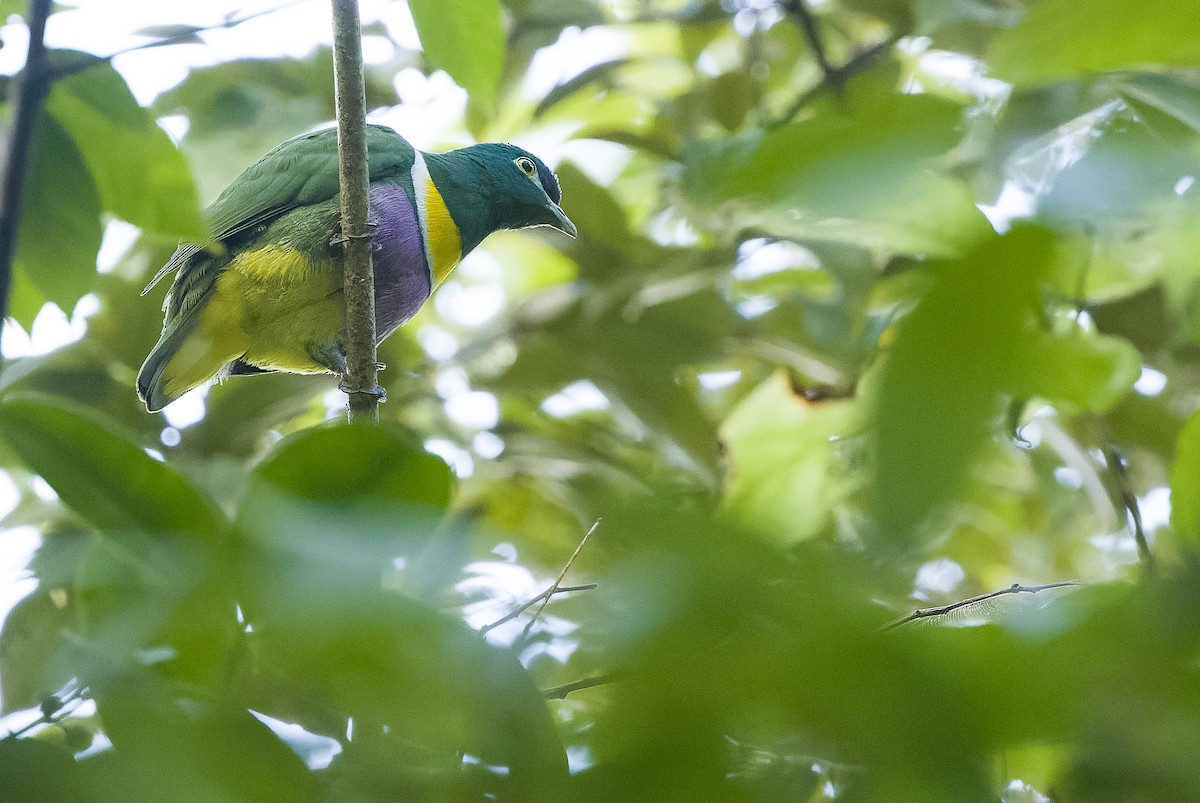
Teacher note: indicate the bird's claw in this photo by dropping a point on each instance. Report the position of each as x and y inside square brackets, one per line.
[377, 392]
[343, 238]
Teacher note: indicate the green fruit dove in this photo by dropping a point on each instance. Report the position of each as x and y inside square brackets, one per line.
[267, 295]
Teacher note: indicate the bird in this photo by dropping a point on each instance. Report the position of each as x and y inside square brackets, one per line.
[265, 294]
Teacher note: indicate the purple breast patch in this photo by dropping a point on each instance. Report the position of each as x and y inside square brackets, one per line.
[398, 254]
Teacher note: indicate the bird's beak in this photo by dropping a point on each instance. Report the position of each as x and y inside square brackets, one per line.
[561, 221]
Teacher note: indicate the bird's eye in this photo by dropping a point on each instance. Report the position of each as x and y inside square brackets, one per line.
[526, 166]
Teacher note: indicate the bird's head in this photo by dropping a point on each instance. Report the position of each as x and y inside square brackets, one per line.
[507, 186]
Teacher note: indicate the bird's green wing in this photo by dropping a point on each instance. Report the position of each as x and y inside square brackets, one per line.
[301, 171]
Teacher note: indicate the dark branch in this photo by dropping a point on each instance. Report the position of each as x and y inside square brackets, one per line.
[836, 77]
[1116, 464]
[361, 381]
[808, 23]
[942, 610]
[32, 89]
[561, 692]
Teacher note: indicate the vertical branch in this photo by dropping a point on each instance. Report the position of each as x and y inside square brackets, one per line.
[361, 381]
[1116, 464]
[31, 94]
[808, 24]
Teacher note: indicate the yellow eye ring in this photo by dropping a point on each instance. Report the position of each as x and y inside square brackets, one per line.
[526, 166]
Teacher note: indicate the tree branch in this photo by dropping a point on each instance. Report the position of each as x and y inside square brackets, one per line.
[808, 23]
[942, 610]
[835, 78]
[32, 89]
[545, 595]
[361, 382]
[1116, 464]
[561, 692]
[187, 35]
[558, 581]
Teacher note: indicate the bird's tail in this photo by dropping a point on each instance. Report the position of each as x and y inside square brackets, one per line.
[190, 351]
[155, 386]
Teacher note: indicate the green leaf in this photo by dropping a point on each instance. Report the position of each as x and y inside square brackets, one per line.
[28, 643]
[60, 229]
[343, 463]
[440, 689]
[466, 39]
[785, 467]
[1176, 95]
[1062, 38]
[100, 473]
[940, 383]
[1087, 372]
[142, 177]
[1185, 483]
[867, 179]
[190, 751]
[32, 770]
[326, 517]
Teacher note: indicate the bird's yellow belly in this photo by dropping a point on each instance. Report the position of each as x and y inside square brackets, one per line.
[277, 301]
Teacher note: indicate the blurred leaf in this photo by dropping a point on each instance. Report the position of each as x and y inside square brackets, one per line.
[436, 685]
[341, 463]
[598, 73]
[176, 33]
[1061, 38]
[1185, 483]
[140, 174]
[867, 180]
[191, 751]
[237, 110]
[734, 94]
[1176, 95]
[466, 39]
[100, 473]
[33, 771]
[28, 642]
[60, 227]
[34, 629]
[328, 515]
[1139, 317]
[785, 468]
[1088, 373]
[1124, 152]
[940, 384]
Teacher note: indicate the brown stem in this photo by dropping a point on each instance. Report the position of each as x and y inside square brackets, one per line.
[361, 381]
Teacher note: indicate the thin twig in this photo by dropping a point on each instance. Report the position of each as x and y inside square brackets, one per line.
[558, 581]
[942, 610]
[54, 709]
[1116, 464]
[68, 68]
[561, 692]
[361, 381]
[31, 96]
[808, 23]
[857, 63]
[549, 592]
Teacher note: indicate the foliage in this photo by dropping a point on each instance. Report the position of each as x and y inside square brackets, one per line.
[835, 341]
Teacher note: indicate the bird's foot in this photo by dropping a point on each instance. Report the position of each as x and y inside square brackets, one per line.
[343, 238]
[377, 393]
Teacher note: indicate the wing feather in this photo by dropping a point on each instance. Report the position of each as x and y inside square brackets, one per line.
[299, 172]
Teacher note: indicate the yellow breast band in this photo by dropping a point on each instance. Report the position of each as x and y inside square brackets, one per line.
[442, 242]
